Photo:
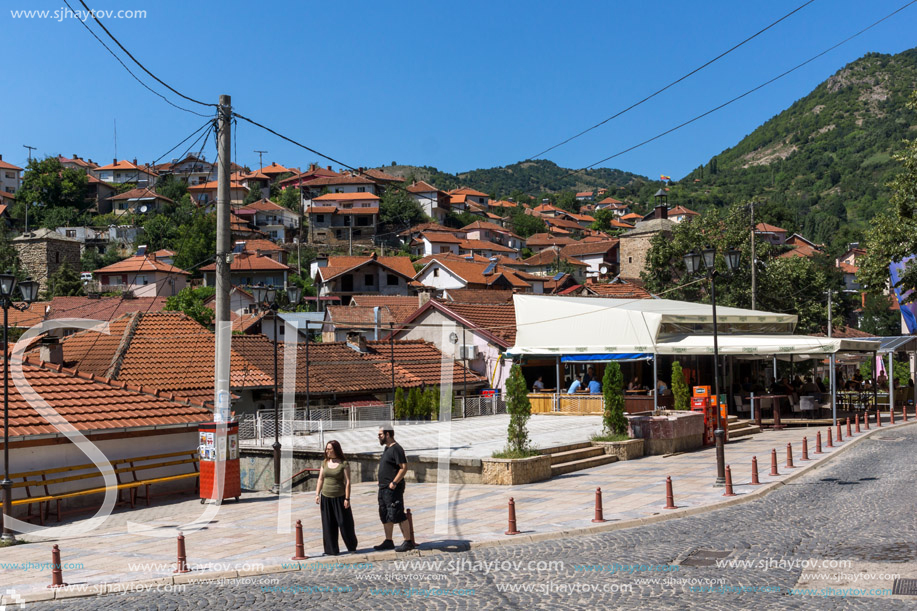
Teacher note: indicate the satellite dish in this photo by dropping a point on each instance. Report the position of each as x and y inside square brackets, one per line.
[143, 209]
[604, 269]
[453, 337]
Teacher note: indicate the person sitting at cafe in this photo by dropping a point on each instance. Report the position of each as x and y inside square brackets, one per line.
[661, 388]
[590, 375]
[809, 387]
[577, 384]
[821, 385]
[882, 381]
[635, 384]
[538, 386]
[594, 387]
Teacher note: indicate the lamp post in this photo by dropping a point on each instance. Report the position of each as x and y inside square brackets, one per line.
[266, 296]
[693, 262]
[29, 290]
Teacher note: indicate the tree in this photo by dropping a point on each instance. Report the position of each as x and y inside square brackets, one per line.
[171, 187]
[49, 185]
[878, 318]
[524, 224]
[254, 193]
[400, 406]
[892, 237]
[432, 396]
[191, 302]
[613, 420]
[64, 282]
[414, 403]
[291, 199]
[679, 387]
[520, 410]
[399, 209]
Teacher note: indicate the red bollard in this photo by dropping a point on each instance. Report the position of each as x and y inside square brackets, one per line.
[857, 418]
[182, 556]
[866, 419]
[789, 456]
[669, 494]
[512, 518]
[818, 443]
[849, 434]
[300, 546]
[57, 573]
[774, 462]
[839, 437]
[754, 471]
[878, 418]
[829, 443]
[891, 416]
[805, 449]
[598, 506]
[729, 491]
[411, 527]
[904, 412]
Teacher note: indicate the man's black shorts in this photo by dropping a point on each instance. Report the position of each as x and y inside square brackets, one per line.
[391, 505]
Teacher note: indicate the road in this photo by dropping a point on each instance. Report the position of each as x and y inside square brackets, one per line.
[850, 521]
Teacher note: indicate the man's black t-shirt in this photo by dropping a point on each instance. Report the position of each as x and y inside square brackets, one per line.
[392, 456]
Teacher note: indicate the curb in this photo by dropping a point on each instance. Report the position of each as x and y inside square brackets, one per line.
[190, 578]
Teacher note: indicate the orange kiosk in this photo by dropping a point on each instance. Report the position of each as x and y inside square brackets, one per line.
[702, 401]
[214, 447]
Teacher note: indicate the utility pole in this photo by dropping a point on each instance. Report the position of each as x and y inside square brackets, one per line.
[831, 375]
[350, 240]
[754, 263]
[31, 148]
[260, 161]
[223, 285]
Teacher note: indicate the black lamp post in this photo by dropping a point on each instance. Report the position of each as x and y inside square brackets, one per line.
[266, 296]
[693, 262]
[29, 290]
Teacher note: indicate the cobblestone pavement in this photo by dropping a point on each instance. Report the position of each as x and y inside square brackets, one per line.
[849, 524]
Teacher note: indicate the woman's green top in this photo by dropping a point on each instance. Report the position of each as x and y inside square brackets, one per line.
[334, 485]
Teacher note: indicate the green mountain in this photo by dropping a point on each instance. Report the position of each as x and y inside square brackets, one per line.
[821, 165]
[533, 177]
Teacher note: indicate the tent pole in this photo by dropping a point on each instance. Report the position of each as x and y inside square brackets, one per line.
[875, 375]
[891, 381]
[557, 390]
[655, 383]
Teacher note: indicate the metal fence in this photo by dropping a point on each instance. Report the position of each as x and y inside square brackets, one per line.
[469, 407]
[258, 429]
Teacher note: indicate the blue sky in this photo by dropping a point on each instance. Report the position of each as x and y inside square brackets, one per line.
[458, 85]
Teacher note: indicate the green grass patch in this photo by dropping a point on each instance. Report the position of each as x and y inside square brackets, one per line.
[598, 437]
[12, 543]
[515, 454]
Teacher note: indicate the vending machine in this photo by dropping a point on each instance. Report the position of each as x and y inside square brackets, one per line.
[702, 401]
[214, 447]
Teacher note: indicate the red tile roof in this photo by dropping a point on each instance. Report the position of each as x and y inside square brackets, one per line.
[127, 165]
[768, 228]
[484, 245]
[93, 404]
[266, 205]
[441, 237]
[619, 290]
[427, 227]
[479, 295]
[140, 193]
[679, 210]
[400, 307]
[611, 200]
[422, 187]
[473, 273]
[274, 168]
[467, 191]
[589, 248]
[164, 350]
[8, 166]
[248, 262]
[342, 265]
[339, 180]
[140, 263]
[379, 175]
[550, 255]
[546, 239]
[357, 316]
[104, 308]
[498, 319]
[253, 246]
[345, 197]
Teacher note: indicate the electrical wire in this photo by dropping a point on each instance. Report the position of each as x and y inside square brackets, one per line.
[123, 65]
[675, 82]
[739, 97]
[142, 67]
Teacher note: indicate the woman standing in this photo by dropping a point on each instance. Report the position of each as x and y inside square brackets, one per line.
[333, 494]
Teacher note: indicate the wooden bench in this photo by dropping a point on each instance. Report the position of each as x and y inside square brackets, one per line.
[121, 468]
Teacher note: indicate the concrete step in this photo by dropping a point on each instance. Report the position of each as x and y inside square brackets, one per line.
[584, 463]
[744, 431]
[577, 454]
[566, 448]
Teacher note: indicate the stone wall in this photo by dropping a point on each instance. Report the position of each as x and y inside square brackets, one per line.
[42, 257]
[512, 472]
[633, 251]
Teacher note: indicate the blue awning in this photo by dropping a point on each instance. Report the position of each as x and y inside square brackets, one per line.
[604, 358]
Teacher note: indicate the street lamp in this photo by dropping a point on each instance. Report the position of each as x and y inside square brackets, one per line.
[693, 262]
[266, 298]
[29, 290]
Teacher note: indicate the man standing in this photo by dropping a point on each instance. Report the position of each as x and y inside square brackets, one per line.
[392, 468]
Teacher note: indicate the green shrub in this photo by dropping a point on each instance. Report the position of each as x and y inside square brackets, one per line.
[680, 388]
[613, 419]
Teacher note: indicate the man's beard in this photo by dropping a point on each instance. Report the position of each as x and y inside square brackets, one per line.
[382, 441]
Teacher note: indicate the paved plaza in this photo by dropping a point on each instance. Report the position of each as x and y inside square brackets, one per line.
[244, 537]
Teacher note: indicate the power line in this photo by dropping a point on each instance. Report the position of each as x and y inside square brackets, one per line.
[142, 67]
[739, 97]
[675, 82]
[123, 65]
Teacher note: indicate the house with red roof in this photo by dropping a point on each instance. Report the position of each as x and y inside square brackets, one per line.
[124, 171]
[584, 196]
[372, 274]
[618, 207]
[551, 261]
[539, 241]
[435, 203]
[486, 249]
[435, 243]
[680, 213]
[144, 275]
[141, 200]
[10, 177]
[450, 272]
[277, 222]
[600, 257]
[491, 232]
[343, 218]
[484, 331]
[773, 234]
[249, 269]
[206, 194]
[468, 200]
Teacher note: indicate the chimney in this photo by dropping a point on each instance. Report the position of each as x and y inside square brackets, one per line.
[1, 157]
[51, 350]
[361, 169]
[356, 341]
[329, 168]
[311, 167]
[422, 298]
[661, 212]
[377, 321]
[135, 161]
[115, 160]
[75, 156]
